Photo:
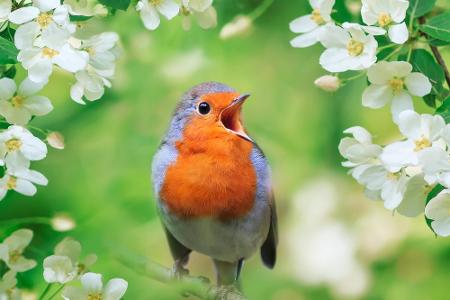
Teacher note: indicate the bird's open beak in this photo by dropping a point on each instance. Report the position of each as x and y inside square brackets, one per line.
[231, 117]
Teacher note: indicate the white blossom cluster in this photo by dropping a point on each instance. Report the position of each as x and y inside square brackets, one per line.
[401, 174]
[201, 10]
[63, 267]
[45, 37]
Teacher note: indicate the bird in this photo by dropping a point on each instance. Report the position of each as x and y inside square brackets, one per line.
[212, 185]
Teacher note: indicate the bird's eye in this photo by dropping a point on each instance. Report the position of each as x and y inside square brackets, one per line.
[203, 108]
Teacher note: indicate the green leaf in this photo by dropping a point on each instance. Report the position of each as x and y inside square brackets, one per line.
[8, 52]
[11, 72]
[434, 192]
[430, 100]
[424, 63]
[418, 8]
[116, 4]
[438, 27]
[444, 110]
[74, 18]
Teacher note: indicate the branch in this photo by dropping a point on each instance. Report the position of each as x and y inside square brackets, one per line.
[437, 55]
[192, 285]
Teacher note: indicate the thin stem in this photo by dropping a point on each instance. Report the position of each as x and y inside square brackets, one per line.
[30, 220]
[408, 58]
[386, 47]
[437, 55]
[393, 52]
[353, 77]
[56, 292]
[46, 290]
[260, 10]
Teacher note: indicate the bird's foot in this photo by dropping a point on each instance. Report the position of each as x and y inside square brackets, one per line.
[227, 292]
[178, 271]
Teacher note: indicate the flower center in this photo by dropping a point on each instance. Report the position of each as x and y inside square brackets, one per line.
[13, 145]
[48, 52]
[44, 20]
[185, 11]
[17, 101]
[392, 176]
[355, 47]
[81, 268]
[14, 255]
[94, 296]
[91, 51]
[396, 84]
[317, 17]
[155, 2]
[422, 144]
[384, 19]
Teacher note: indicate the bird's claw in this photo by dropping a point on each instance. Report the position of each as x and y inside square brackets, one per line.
[178, 271]
[224, 292]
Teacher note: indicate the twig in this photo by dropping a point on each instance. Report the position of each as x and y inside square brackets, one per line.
[192, 285]
[437, 55]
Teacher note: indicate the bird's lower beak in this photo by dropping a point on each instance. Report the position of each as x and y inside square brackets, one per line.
[231, 117]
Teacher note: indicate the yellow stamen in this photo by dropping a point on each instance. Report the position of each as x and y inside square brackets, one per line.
[48, 52]
[317, 17]
[396, 84]
[94, 297]
[91, 51]
[155, 2]
[185, 11]
[393, 176]
[384, 19]
[422, 144]
[13, 145]
[17, 101]
[14, 256]
[355, 47]
[44, 20]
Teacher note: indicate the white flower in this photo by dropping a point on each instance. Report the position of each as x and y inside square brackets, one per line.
[359, 151]
[46, 19]
[18, 145]
[59, 269]
[150, 10]
[22, 180]
[240, 25]
[310, 26]
[422, 131]
[102, 50]
[56, 140]
[435, 162]
[39, 60]
[8, 290]
[92, 288]
[5, 10]
[90, 84]
[65, 264]
[19, 105]
[63, 222]
[347, 49]
[12, 248]
[388, 14]
[201, 10]
[394, 82]
[328, 83]
[85, 8]
[438, 210]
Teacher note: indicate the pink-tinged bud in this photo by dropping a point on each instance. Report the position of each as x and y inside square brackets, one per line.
[240, 25]
[56, 140]
[328, 83]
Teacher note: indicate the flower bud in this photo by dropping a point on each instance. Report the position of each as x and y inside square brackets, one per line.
[328, 83]
[62, 222]
[238, 26]
[56, 140]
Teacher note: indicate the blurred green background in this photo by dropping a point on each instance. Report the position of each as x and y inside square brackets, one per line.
[334, 243]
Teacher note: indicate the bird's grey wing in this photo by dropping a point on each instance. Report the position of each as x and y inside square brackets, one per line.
[269, 247]
[178, 250]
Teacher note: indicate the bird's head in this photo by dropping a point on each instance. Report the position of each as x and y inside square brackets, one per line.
[210, 109]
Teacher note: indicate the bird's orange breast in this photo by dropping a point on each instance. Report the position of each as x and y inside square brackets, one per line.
[213, 175]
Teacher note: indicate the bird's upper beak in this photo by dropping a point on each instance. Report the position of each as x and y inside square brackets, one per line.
[231, 117]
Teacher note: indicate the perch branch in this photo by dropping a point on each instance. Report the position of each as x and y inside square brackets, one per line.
[437, 54]
[192, 285]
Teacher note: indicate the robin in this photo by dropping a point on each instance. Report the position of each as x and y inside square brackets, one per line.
[212, 184]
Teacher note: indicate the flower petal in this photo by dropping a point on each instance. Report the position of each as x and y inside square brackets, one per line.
[400, 103]
[38, 105]
[7, 88]
[25, 35]
[418, 84]
[46, 5]
[398, 33]
[303, 24]
[19, 239]
[25, 187]
[168, 8]
[413, 202]
[397, 155]
[149, 16]
[376, 96]
[92, 282]
[115, 289]
[409, 124]
[305, 40]
[23, 15]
